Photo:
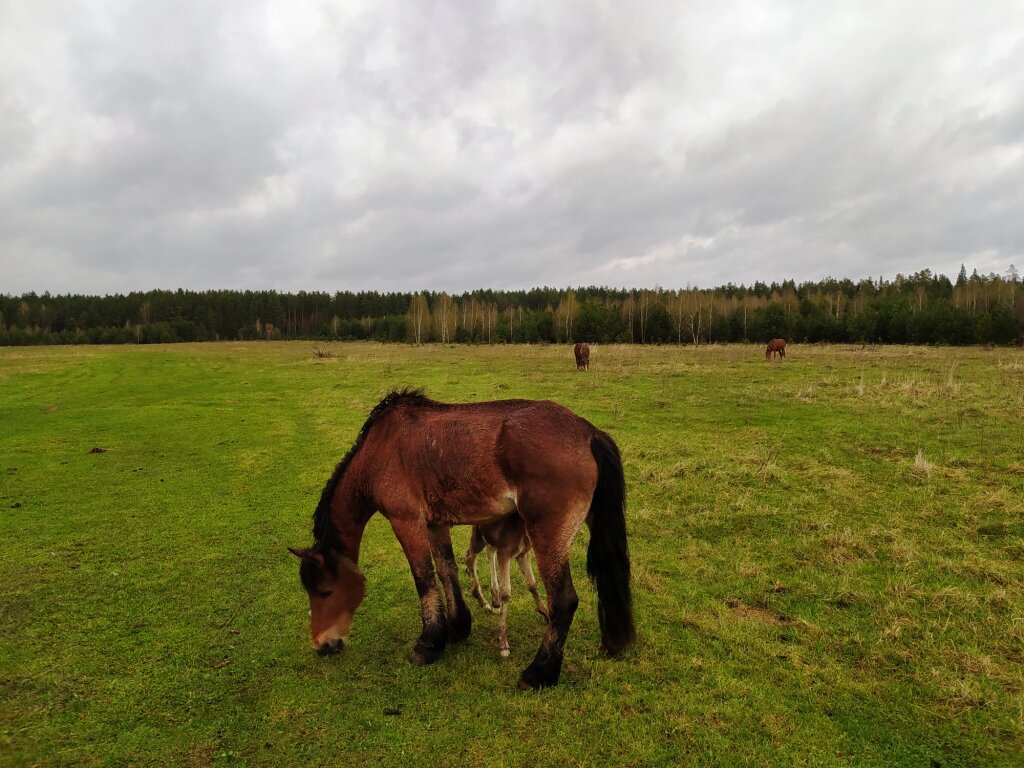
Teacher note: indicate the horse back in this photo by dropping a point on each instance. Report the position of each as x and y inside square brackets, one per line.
[468, 463]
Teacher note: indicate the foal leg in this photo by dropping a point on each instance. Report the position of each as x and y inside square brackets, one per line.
[531, 583]
[504, 561]
[412, 535]
[459, 619]
[492, 554]
[476, 545]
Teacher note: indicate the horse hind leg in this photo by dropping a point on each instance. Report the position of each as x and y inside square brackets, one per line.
[546, 666]
[531, 583]
[551, 544]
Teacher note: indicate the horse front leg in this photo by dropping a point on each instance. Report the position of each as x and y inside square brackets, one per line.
[415, 541]
[460, 621]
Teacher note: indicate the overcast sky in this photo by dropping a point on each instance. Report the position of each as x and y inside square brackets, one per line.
[450, 146]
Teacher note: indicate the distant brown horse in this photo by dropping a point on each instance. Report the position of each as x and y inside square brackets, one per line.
[504, 540]
[775, 345]
[427, 466]
[582, 352]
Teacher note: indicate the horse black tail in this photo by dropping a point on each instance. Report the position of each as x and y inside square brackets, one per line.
[608, 553]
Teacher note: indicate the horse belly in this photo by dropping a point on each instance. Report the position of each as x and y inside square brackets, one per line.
[468, 504]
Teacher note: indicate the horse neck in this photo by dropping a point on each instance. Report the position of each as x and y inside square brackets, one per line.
[351, 510]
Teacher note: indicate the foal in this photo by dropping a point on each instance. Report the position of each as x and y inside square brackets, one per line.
[504, 540]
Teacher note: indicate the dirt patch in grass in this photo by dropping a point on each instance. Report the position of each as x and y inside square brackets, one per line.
[756, 613]
[200, 756]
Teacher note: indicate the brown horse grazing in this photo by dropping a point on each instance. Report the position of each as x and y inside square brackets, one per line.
[427, 466]
[775, 345]
[582, 352]
[504, 540]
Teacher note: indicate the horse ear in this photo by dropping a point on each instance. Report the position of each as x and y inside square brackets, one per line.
[308, 555]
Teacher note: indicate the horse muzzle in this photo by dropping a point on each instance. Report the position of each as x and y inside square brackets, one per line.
[331, 647]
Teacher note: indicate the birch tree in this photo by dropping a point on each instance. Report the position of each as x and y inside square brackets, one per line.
[444, 316]
[419, 317]
[565, 314]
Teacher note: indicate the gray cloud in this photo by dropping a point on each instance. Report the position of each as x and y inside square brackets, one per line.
[456, 145]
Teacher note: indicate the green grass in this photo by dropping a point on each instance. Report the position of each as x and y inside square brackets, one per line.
[828, 559]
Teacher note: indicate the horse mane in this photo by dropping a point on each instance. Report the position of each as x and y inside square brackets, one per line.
[325, 535]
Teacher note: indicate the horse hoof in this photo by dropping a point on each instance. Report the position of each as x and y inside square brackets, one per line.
[529, 680]
[522, 685]
[544, 674]
[420, 657]
[505, 653]
[605, 651]
[419, 660]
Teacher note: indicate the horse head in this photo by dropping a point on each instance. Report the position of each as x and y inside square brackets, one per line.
[336, 587]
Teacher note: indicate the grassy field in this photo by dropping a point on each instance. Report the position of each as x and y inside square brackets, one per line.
[828, 559]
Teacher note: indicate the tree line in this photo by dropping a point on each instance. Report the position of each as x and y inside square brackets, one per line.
[922, 308]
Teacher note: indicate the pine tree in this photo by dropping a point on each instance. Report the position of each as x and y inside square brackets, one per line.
[962, 277]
